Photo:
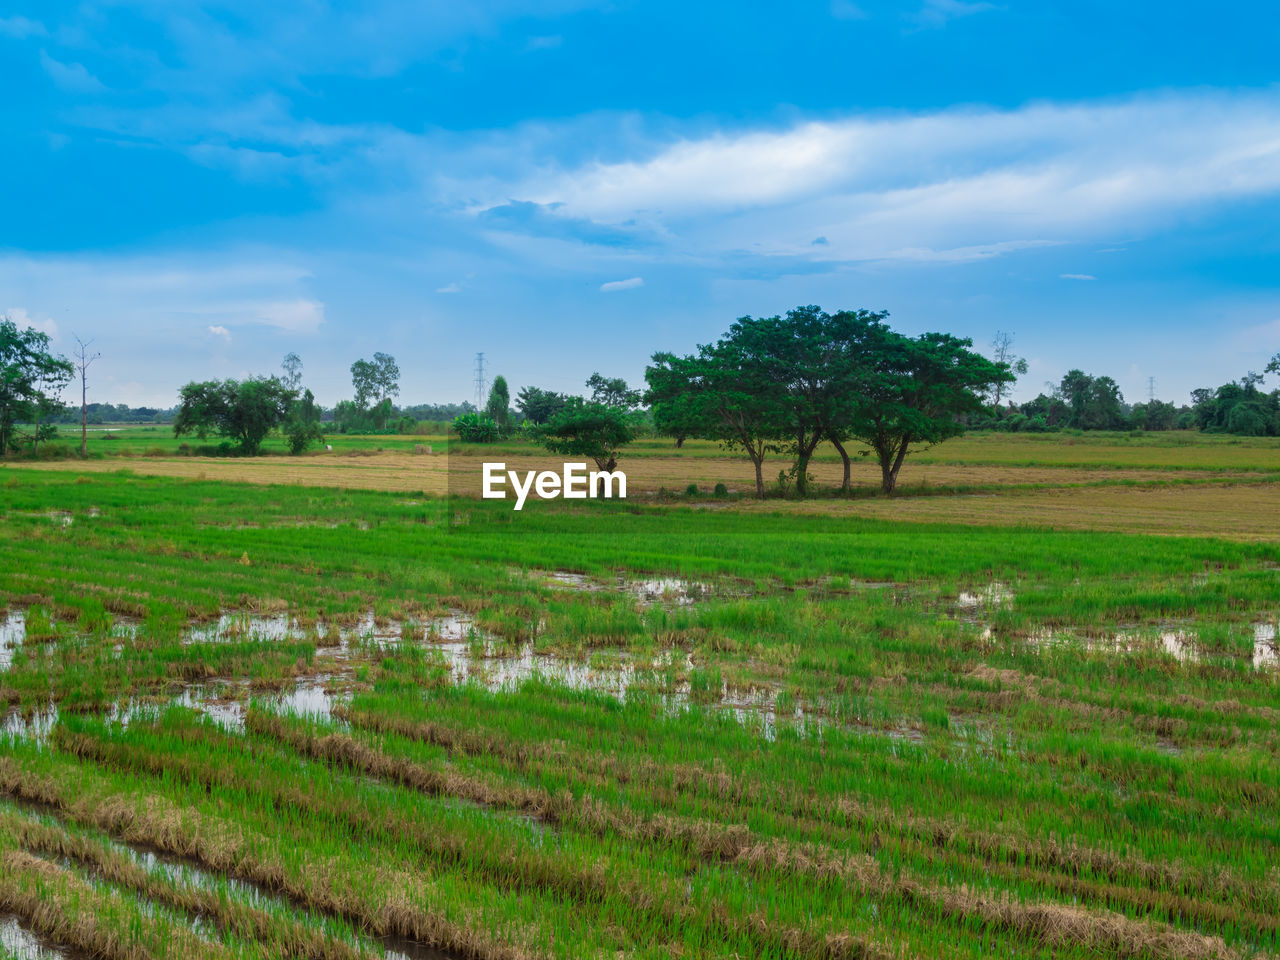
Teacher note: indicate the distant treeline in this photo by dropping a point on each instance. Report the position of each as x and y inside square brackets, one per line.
[769, 384]
[115, 413]
[100, 413]
[1083, 402]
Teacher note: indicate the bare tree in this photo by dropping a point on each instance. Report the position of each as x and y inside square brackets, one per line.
[1002, 352]
[82, 362]
[292, 366]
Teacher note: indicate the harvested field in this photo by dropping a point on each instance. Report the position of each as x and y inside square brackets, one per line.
[1238, 511]
[406, 472]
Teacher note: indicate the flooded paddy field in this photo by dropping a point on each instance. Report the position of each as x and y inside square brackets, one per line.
[284, 721]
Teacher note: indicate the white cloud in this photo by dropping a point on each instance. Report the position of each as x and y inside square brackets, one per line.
[296, 316]
[22, 319]
[20, 28]
[218, 330]
[959, 179]
[449, 288]
[163, 293]
[1077, 276]
[965, 254]
[72, 77]
[615, 285]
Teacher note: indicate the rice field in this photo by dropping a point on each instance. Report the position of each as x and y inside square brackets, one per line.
[309, 716]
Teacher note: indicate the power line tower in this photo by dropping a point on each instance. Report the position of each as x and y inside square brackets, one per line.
[481, 385]
[1151, 389]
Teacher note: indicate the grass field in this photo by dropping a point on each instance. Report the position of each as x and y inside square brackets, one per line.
[286, 707]
[1174, 483]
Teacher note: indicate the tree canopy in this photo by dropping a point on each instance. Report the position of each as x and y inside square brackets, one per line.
[498, 409]
[1241, 407]
[302, 426]
[612, 392]
[292, 367]
[585, 428]
[244, 411]
[915, 392]
[31, 380]
[375, 381]
[715, 395]
[537, 405]
[792, 381]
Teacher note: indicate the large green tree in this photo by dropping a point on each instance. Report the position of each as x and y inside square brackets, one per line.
[31, 379]
[716, 395]
[364, 377]
[375, 381]
[244, 411]
[1093, 403]
[792, 381]
[914, 393]
[808, 367]
[386, 375]
[784, 358]
[584, 428]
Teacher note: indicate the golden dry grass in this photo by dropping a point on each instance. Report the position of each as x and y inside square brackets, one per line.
[430, 474]
[1234, 511]
[383, 471]
[1077, 499]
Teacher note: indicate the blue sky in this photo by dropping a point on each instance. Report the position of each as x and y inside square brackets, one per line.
[569, 186]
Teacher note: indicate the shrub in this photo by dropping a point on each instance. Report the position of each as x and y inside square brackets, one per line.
[721, 490]
[691, 490]
[475, 428]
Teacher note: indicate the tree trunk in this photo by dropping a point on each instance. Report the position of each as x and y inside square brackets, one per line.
[84, 419]
[890, 464]
[844, 455]
[802, 474]
[607, 466]
[759, 465]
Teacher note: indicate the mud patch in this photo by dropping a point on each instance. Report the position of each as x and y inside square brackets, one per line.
[36, 725]
[993, 595]
[1266, 649]
[240, 626]
[23, 944]
[13, 630]
[1177, 642]
[672, 591]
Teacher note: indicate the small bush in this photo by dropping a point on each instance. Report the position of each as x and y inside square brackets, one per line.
[475, 428]
[691, 490]
[721, 490]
